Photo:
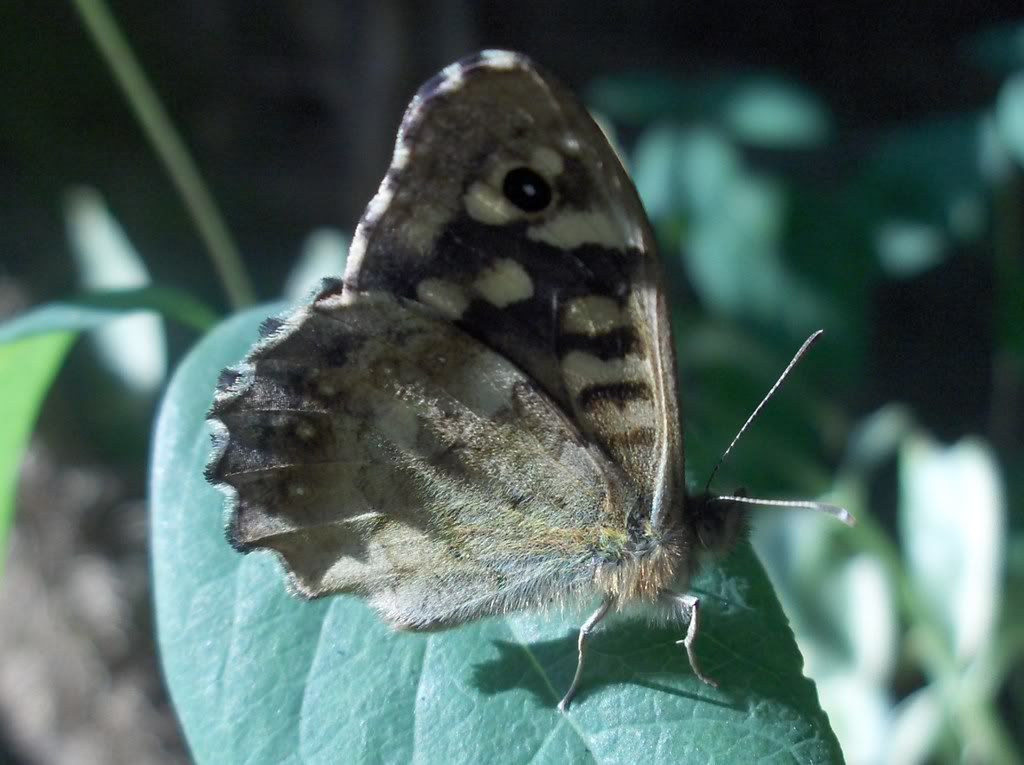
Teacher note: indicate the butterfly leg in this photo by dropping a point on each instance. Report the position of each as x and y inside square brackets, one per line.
[690, 604]
[585, 630]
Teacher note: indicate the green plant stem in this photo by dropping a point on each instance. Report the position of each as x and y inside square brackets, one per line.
[1008, 359]
[169, 147]
[1008, 239]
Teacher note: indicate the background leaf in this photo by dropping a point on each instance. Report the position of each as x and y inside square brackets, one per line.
[32, 350]
[952, 521]
[26, 370]
[106, 260]
[94, 309]
[257, 676]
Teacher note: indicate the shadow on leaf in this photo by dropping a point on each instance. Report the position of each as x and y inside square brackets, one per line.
[628, 653]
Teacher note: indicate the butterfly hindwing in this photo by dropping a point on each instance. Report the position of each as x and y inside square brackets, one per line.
[507, 211]
[380, 450]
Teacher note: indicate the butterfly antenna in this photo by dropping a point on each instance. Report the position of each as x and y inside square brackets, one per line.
[757, 410]
[841, 513]
[834, 510]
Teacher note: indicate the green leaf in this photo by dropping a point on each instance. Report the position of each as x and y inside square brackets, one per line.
[106, 260]
[732, 243]
[32, 349]
[258, 676]
[94, 309]
[774, 113]
[26, 370]
[953, 526]
[1010, 116]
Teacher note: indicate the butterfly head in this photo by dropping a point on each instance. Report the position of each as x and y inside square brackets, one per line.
[716, 523]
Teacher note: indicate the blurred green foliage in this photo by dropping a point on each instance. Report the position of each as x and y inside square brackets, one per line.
[908, 247]
[27, 369]
[905, 622]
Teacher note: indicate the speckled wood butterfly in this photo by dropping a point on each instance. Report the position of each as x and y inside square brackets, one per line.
[482, 416]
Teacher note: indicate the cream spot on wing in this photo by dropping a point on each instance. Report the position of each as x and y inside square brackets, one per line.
[487, 204]
[447, 298]
[504, 283]
[305, 431]
[572, 228]
[453, 77]
[421, 230]
[401, 156]
[501, 59]
[593, 315]
[547, 162]
[622, 416]
[582, 369]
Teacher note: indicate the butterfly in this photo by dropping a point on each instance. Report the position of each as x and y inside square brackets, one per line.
[481, 416]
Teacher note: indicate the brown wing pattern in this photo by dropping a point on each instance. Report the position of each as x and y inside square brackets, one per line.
[507, 211]
[380, 450]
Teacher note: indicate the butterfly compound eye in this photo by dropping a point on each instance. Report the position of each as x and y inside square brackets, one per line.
[526, 189]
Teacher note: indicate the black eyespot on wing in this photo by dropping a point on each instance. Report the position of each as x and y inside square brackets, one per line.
[526, 189]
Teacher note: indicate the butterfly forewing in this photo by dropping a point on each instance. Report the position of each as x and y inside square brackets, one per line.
[532, 239]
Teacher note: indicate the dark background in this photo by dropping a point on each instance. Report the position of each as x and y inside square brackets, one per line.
[290, 110]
